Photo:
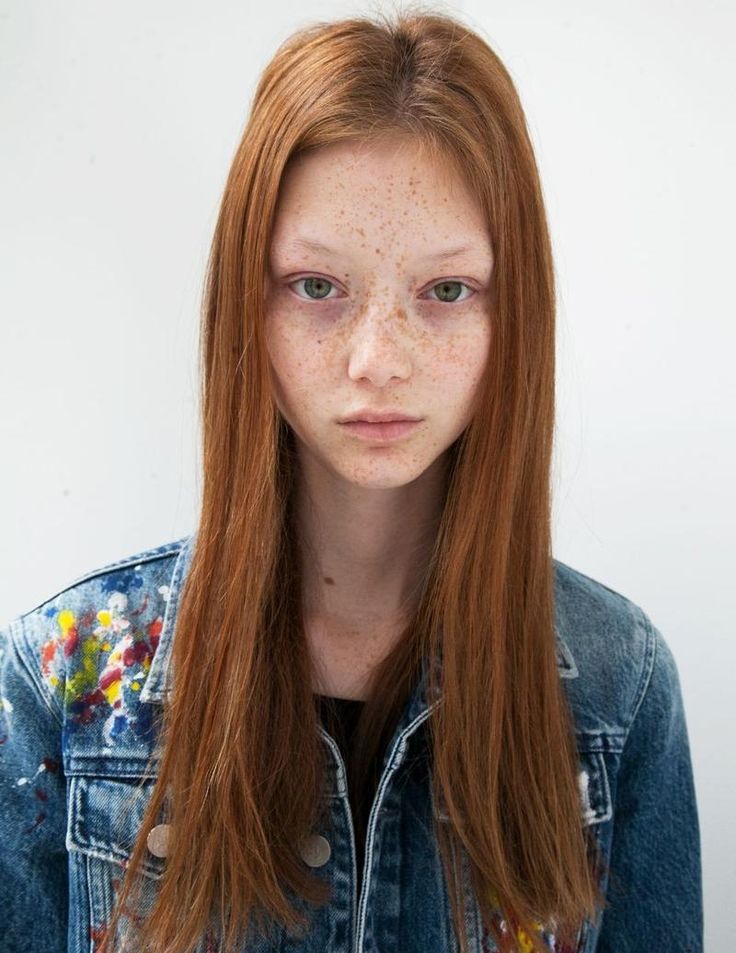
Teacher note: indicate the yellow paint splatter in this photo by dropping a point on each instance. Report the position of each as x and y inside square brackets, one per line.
[105, 617]
[85, 678]
[66, 620]
[136, 686]
[523, 938]
[112, 691]
[525, 943]
[106, 646]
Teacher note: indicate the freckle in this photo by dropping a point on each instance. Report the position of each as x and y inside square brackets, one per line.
[329, 580]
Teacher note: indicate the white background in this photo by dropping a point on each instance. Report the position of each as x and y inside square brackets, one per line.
[118, 125]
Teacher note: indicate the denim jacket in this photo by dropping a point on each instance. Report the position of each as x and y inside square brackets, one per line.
[83, 674]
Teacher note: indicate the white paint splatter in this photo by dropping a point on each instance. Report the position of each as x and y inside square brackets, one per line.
[21, 781]
[588, 811]
[117, 602]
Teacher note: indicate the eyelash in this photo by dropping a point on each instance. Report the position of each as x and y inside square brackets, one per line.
[453, 281]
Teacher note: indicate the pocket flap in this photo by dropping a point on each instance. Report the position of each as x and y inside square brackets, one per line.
[105, 816]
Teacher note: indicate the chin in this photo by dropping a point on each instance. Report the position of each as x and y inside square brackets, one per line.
[381, 474]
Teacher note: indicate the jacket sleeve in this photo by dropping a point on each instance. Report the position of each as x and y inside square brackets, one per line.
[33, 857]
[655, 881]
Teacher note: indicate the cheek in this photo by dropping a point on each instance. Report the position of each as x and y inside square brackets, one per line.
[287, 350]
[300, 367]
[460, 363]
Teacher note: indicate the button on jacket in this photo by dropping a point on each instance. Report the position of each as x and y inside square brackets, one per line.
[82, 679]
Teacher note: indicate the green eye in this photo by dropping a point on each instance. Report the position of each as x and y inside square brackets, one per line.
[450, 290]
[317, 288]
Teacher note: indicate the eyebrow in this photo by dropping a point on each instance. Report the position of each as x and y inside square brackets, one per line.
[318, 247]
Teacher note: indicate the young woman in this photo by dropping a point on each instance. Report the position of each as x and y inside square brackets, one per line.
[361, 708]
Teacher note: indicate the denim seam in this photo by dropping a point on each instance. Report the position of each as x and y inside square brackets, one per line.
[18, 642]
[650, 653]
[90, 895]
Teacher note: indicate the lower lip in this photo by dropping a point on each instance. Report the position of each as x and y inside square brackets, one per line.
[391, 430]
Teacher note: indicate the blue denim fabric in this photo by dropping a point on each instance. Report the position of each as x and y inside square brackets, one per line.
[82, 679]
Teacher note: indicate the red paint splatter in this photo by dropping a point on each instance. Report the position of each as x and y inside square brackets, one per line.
[142, 608]
[107, 678]
[154, 631]
[51, 765]
[136, 653]
[71, 641]
[41, 795]
[82, 710]
[88, 618]
[48, 651]
[40, 818]
[3, 739]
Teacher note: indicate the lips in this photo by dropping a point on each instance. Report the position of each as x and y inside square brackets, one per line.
[382, 431]
[370, 417]
[379, 420]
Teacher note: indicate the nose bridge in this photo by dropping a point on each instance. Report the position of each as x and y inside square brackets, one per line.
[379, 336]
[382, 310]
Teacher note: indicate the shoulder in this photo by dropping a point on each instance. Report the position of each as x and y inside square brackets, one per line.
[75, 642]
[120, 572]
[617, 651]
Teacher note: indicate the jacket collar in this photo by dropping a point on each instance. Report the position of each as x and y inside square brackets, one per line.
[158, 683]
[159, 679]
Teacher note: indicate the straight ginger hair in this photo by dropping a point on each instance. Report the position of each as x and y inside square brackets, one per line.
[241, 723]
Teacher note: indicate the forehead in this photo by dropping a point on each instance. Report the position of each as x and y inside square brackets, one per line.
[391, 188]
[373, 167]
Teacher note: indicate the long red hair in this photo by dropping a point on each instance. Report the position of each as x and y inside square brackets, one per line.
[242, 723]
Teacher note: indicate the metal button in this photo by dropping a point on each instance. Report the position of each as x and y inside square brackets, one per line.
[315, 850]
[158, 840]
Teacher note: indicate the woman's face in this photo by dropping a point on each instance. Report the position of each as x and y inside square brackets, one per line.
[393, 313]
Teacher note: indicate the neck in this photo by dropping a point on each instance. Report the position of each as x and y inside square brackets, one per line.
[364, 551]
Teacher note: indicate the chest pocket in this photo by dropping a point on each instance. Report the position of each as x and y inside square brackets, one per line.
[105, 815]
[103, 819]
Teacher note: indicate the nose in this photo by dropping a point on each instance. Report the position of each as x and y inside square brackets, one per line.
[379, 349]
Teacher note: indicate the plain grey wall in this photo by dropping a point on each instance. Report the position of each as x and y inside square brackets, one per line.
[119, 123]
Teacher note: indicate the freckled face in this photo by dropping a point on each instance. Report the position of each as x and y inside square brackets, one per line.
[385, 319]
